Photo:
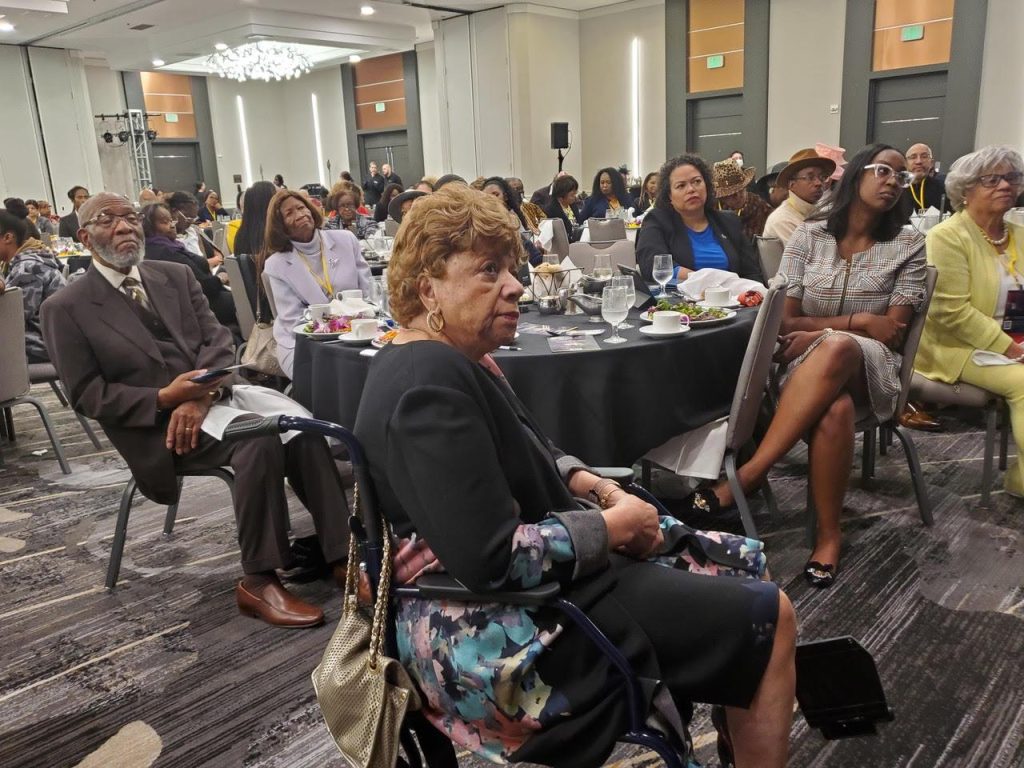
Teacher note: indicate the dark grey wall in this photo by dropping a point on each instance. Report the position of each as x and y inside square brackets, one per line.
[963, 76]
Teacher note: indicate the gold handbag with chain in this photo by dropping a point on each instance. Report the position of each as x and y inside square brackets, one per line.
[363, 694]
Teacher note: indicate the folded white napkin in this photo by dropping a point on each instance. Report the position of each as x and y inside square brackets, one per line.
[352, 308]
[547, 234]
[246, 398]
[985, 358]
[699, 281]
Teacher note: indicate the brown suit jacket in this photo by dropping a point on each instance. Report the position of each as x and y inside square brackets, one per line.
[111, 367]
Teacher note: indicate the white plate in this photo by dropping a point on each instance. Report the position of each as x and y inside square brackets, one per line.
[354, 341]
[299, 330]
[648, 330]
[729, 315]
[733, 304]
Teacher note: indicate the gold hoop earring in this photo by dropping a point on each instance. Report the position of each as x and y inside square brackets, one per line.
[435, 320]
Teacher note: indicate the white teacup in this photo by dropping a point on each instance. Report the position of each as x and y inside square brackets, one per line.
[352, 293]
[317, 312]
[665, 321]
[717, 297]
[364, 328]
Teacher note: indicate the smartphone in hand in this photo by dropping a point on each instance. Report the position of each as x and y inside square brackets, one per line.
[215, 373]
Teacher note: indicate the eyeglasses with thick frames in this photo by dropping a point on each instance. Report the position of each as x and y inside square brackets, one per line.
[990, 180]
[885, 172]
[107, 220]
[811, 177]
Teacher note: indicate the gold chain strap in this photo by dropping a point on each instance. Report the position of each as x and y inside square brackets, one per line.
[380, 607]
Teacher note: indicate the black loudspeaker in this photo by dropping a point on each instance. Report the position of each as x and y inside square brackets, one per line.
[559, 135]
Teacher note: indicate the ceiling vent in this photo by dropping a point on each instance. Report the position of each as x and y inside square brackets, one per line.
[142, 27]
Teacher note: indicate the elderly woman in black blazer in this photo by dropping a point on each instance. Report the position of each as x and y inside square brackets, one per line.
[684, 222]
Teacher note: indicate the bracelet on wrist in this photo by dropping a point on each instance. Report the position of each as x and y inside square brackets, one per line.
[602, 490]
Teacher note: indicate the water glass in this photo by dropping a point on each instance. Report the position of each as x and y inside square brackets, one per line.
[602, 266]
[625, 282]
[663, 269]
[614, 310]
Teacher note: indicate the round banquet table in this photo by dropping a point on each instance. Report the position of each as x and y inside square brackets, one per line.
[607, 407]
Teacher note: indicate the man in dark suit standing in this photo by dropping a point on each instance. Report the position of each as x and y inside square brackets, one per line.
[373, 186]
[390, 177]
[127, 339]
[69, 224]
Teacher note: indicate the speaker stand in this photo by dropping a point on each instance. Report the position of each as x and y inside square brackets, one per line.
[561, 157]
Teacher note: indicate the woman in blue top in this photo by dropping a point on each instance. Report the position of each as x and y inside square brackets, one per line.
[684, 222]
[607, 195]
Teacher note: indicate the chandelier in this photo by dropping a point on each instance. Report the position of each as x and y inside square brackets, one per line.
[262, 60]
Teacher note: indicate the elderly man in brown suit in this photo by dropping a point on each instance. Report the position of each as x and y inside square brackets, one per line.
[127, 339]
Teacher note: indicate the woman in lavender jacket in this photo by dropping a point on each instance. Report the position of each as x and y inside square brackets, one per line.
[306, 265]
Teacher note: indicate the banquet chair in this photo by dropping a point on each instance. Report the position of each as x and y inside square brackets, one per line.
[390, 227]
[45, 373]
[769, 254]
[367, 529]
[747, 403]
[240, 296]
[559, 238]
[621, 252]
[606, 230]
[269, 291]
[966, 395]
[14, 376]
[868, 425]
[125, 508]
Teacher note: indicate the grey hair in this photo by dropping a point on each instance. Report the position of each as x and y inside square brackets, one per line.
[964, 173]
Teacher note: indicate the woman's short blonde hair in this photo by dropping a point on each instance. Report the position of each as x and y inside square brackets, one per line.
[964, 172]
[455, 219]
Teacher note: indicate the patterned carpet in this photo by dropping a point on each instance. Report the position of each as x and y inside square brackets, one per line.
[165, 672]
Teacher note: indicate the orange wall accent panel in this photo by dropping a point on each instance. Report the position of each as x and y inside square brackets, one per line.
[729, 76]
[892, 53]
[899, 13]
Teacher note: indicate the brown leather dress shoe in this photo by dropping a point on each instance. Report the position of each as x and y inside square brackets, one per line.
[275, 605]
[915, 418]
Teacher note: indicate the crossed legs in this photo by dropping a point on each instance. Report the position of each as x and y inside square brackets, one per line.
[817, 403]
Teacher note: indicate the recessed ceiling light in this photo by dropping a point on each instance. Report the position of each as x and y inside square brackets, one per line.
[221, 46]
[355, 58]
[158, 62]
[6, 26]
[366, 10]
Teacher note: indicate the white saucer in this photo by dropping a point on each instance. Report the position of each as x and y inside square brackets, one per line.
[729, 315]
[352, 340]
[648, 330]
[733, 304]
[332, 335]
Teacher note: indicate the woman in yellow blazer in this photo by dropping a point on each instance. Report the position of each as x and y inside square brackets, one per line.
[980, 260]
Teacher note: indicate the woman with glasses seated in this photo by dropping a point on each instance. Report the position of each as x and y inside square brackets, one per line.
[306, 265]
[344, 203]
[469, 481]
[856, 277]
[977, 312]
[685, 223]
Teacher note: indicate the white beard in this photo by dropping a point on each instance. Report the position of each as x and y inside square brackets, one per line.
[119, 260]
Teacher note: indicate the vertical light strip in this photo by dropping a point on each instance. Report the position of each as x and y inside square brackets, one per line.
[319, 144]
[245, 139]
[635, 105]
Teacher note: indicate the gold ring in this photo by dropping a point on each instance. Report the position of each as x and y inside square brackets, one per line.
[188, 429]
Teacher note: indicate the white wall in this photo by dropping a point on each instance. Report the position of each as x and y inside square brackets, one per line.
[805, 74]
[106, 95]
[1001, 103]
[430, 118]
[605, 137]
[67, 142]
[279, 123]
[545, 71]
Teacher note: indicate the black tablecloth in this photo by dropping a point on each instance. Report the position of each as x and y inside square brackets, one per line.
[608, 407]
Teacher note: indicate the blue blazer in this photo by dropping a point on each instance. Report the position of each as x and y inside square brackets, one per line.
[596, 207]
[294, 288]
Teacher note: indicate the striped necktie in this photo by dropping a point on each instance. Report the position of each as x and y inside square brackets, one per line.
[133, 290]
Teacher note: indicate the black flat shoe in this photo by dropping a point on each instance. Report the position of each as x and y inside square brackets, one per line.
[820, 575]
[702, 502]
[724, 741]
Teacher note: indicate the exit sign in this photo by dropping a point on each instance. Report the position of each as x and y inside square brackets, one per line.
[911, 32]
[716, 62]
[379, 106]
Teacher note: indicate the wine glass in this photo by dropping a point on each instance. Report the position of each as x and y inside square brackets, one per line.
[625, 282]
[663, 269]
[602, 266]
[614, 310]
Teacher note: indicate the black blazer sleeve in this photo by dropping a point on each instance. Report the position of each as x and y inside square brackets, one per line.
[69, 227]
[740, 251]
[211, 284]
[656, 236]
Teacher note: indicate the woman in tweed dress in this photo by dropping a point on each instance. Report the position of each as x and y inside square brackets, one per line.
[856, 277]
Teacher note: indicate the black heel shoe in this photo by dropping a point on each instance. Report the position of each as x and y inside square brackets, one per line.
[724, 742]
[820, 575]
[702, 502]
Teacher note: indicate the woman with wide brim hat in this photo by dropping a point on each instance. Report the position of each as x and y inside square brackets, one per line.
[767, 185]
[731, 183]
[397, 207]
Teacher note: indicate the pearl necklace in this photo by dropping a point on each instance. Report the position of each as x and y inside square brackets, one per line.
[997, 243]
